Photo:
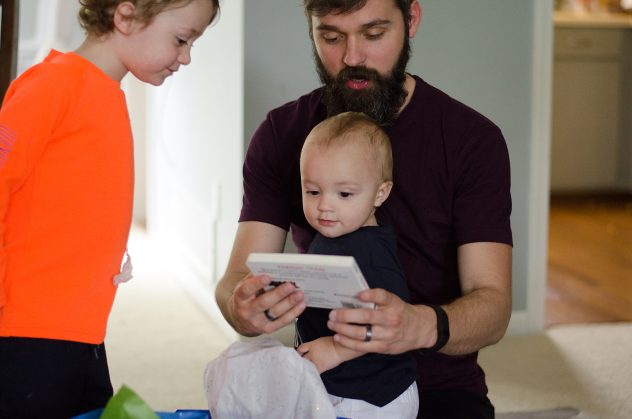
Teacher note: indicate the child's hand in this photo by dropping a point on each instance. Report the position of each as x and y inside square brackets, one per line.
[126, 271]
[322, 352]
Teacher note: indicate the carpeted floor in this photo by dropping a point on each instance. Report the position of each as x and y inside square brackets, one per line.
[558, 413]
[159, 342]
[588, 367]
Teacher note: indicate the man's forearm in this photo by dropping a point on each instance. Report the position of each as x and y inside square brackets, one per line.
[480, 317]
[477, 319]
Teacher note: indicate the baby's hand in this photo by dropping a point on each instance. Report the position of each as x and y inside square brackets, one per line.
[322, 352]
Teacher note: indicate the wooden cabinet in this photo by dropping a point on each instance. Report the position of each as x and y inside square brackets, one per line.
[590, 139]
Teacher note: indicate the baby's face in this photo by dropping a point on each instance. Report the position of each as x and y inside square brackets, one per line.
[340, 188]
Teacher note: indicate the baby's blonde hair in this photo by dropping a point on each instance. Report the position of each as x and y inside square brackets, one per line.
[96, 17]
[356, 129]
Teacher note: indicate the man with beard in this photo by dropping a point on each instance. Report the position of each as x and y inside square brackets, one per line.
[450, 208]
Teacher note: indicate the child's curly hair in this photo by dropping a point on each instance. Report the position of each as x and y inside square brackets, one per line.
[96, 17]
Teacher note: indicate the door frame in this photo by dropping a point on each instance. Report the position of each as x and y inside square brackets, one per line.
[539, 179]
[9, 33]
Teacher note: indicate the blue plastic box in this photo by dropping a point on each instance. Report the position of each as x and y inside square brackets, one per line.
[178, 414]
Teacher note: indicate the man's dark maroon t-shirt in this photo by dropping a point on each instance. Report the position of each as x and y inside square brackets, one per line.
[451, 187]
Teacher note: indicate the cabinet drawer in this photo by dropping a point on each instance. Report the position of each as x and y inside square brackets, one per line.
[588, 42]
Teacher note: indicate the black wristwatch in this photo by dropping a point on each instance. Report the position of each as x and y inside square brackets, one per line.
[443, 330]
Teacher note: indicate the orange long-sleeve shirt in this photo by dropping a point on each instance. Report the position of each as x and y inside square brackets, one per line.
[66, 188]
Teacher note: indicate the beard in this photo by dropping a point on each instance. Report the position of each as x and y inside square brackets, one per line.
[381, 101]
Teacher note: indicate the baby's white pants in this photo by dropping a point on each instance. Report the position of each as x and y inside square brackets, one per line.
[403, 407]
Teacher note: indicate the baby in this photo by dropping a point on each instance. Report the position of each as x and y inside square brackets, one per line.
[346, 173]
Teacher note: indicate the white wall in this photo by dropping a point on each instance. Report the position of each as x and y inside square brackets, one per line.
[278, 58]
[195, 149]
[46, 24]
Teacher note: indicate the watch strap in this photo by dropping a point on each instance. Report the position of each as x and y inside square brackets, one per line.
[443, 330]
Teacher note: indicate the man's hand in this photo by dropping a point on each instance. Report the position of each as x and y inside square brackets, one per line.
[396, 326]
[477, 319]
[249, 303]
[240, 295]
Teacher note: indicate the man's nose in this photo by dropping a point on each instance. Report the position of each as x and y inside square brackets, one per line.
[354, 53]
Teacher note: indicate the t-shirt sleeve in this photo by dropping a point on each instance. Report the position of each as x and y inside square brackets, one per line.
[482, 204]
[266, 197]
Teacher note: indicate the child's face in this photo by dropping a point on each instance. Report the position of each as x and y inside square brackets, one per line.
[340, 189]
[155, 52]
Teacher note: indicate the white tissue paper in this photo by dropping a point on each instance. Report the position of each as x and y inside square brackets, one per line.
[262, 378]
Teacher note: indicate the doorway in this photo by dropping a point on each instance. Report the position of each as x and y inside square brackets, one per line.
[9, 23]
[590, 218]
[590, 258]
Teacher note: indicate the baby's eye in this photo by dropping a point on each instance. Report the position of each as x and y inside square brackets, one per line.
[312, 193]
[345, 194]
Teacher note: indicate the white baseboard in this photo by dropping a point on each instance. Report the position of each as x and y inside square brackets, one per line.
[518, 324]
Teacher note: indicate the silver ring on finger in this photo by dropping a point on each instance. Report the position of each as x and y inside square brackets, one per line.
[269, 316]
[369, 333]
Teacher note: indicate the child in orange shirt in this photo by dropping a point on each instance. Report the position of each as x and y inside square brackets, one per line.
[66, 187]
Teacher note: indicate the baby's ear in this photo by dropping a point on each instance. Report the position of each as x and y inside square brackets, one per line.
[383, 192]
[124, 17]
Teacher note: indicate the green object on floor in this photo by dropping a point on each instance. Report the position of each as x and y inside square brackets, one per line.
[126, 404]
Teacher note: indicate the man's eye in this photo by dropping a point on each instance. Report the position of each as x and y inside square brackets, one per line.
[331, 38]
[181, 41]
[345, 194]
[374, 36]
